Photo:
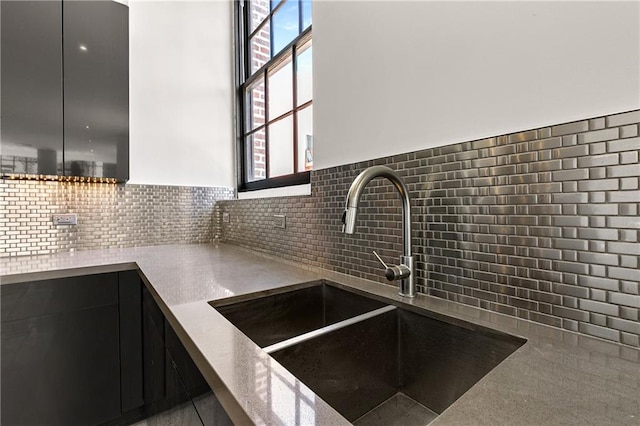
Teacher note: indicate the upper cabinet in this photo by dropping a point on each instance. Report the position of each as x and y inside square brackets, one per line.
[31, 92]
[96, 89]
[65, 88]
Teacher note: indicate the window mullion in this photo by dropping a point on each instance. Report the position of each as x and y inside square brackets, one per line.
[294, 82]
[245, 43]
[241, 75]
[264, 21]
[271, 33]
[300, 17]
[267, 173]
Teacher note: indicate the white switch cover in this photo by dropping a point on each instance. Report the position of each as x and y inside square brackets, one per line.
[65, 219]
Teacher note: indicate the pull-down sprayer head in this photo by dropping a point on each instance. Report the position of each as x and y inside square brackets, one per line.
[349, 220]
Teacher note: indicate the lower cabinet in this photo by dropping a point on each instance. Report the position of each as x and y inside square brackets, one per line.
[175, 390]
[60, 360]
[95, 349]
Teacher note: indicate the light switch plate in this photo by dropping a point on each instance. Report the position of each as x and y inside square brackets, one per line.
[225, 217]
[279, 221]
[65, 219]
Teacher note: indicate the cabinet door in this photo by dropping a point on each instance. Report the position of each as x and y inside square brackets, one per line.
[193, 380]
[60, 358]
[188, 384]
[154, 355]
[96, 89]
[31, 299]
[61, 369]
[31, 92]
[183, 410]
[131, 353]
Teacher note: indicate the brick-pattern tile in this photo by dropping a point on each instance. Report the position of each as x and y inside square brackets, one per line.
[108, 216]
[541, 224]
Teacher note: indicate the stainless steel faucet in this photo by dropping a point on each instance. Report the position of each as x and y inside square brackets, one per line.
[406, 271]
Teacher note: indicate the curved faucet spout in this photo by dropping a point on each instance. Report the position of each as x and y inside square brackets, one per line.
[405, 272]
[353, 198]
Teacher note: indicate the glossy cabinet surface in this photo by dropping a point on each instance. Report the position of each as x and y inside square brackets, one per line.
[96, 89]
[31, 130]
[65, 88]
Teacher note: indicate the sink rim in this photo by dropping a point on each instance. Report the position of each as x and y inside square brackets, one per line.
[400, 304]
[247, 297]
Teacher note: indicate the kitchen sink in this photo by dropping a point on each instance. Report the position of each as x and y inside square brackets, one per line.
[269, 319]
[398, 367]
[373, 362]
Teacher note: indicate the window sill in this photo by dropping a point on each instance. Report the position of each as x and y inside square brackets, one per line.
[285, 191]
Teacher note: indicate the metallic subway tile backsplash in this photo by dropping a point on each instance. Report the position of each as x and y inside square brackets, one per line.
[108, 216]
[542, 224]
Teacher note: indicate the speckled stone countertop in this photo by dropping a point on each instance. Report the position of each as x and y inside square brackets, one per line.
[557, 377]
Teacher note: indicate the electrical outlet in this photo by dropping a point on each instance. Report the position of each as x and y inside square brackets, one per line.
[65, 219]
[225, 217]
[279, 221]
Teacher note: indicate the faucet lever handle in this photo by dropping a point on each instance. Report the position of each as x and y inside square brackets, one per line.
[380, 260]
[394, 272]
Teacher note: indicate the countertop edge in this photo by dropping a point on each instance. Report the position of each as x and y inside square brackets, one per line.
[67, 272]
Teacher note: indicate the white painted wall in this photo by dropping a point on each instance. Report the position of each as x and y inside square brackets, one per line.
[181, 93]
[393, 77]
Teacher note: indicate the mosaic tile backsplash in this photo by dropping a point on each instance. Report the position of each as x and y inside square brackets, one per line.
[542, 224]
[108, 216]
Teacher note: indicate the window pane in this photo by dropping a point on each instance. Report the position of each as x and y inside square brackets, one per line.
[305, 139]
[256, 105]
[306, 13]
[281, 147]
[256, 156]
[305, 74]
[285, 25]
[259, 10]
[260, 48]
[281, 90]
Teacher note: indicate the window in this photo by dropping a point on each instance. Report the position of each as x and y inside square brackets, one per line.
[275, 93]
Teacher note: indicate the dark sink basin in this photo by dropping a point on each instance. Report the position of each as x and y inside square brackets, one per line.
[373, 362]
[398, 367]
[277, 317]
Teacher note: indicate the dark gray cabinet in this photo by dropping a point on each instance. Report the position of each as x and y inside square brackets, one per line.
[60, 360]
[154, 356]
[71, 350]
[117, 357]
[31, 87]
[65, 88]
[95, 349]
[165, 386]
[131, 341]
[172, 378]
[96, 89]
